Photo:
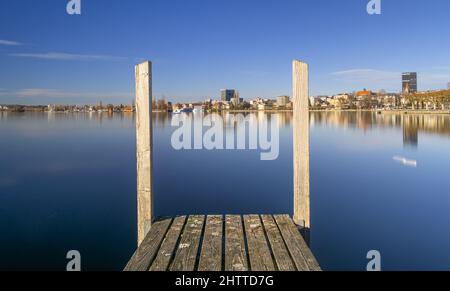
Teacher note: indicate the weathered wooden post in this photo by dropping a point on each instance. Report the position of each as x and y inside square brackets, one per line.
[144, 148]
[301, 144]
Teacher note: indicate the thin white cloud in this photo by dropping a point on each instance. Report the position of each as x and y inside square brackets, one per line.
[57, 94]
[9, 42]
[66, 56]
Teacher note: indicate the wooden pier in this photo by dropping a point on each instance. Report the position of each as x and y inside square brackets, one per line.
[223, 242]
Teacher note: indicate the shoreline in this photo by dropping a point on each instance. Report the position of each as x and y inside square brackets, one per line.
[382, 111]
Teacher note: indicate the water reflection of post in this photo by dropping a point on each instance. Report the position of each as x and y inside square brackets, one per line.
[144, 148]
[301, 145]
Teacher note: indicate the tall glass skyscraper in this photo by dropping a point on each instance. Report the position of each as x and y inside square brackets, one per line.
[227, 94]
[409, 82]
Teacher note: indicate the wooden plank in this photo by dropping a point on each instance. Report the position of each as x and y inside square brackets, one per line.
[186, 256]
[148, 249]
[235, 253]
[143, 75]
[258, 250]
[301, 143]
[168, 247]
[299, 250]
[279, 249]
[211, 254]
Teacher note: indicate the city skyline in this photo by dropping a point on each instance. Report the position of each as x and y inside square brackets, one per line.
[83, 59]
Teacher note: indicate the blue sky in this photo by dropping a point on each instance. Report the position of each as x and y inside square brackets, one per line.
[200, 46]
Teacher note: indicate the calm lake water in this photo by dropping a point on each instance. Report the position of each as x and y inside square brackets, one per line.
[378, 182]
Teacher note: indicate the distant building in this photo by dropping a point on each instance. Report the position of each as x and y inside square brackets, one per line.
[363, 93]
[236, 100]
[282, 101]
[334, 102]
[365, 99]
[389, 101]
[448, 86]
[409, 82]
[343, 97]
[319, 101]
[342, 101]
[227, 94]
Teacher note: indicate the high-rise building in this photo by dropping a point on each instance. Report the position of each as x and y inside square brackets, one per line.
[282, 101]
[227, 94]
[409, 82]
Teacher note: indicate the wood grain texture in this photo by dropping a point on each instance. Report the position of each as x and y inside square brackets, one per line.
[168, 246]
[260, 243]
[299, 250]
[258, 249]
[301, 143]
[211, 253]
[235, 251]
[279, 249]
[144, 145]
[187, 253]
[145, 254]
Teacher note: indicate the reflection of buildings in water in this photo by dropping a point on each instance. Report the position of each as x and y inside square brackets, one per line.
[228, 120]
[100, 118]
[282, 120]
[410, 131]
[159, 119]
[51, 116]
[3, 115]
[230, 125]
[131, 116]
[354, 119]
[260, 115]
[411, 124]
[312, 119]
